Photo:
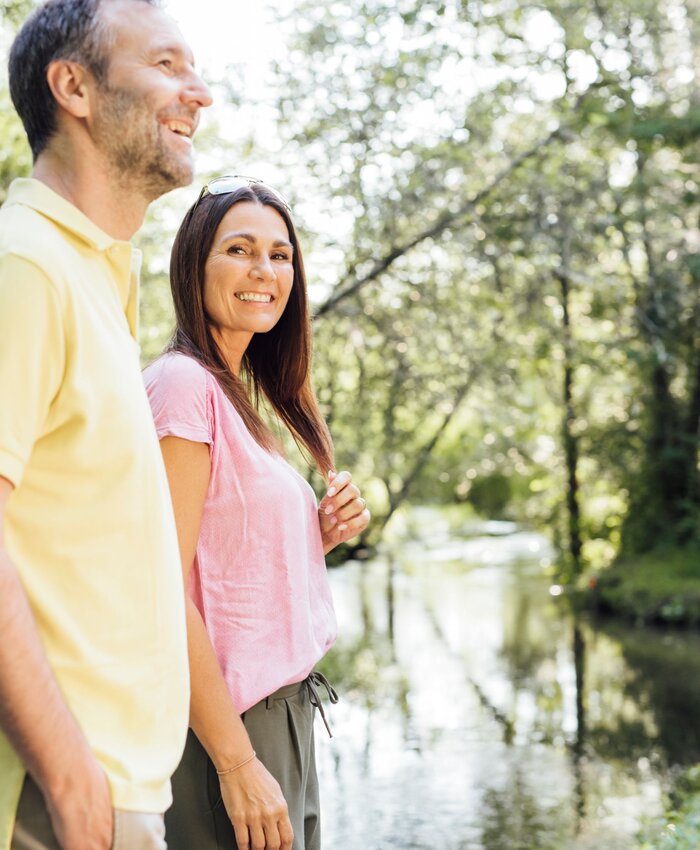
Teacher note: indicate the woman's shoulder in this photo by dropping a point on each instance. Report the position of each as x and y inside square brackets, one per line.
[176, 380]
[177, 370]
[178, 392]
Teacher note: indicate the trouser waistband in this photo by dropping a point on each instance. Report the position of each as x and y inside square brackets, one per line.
[311, 683]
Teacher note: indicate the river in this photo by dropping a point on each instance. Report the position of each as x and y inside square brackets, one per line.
[478, 714]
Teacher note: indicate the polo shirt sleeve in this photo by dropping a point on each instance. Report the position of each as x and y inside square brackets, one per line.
[32, 359]
[178, 392]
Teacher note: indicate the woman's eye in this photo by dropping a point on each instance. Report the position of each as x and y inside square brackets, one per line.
[236, 249]
[282, 257]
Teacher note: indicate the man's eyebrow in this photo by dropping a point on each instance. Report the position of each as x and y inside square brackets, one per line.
[173, 48]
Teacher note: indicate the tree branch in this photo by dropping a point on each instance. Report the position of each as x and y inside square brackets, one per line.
[344, 290]
[424, 454]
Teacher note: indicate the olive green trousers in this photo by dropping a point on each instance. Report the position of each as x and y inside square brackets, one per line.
[282, 733]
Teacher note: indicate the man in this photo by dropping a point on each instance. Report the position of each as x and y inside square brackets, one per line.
[93, 667]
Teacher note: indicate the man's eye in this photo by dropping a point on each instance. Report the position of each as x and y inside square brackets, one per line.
[166, 63]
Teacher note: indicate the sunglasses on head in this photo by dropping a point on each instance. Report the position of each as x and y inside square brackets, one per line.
[231, 182]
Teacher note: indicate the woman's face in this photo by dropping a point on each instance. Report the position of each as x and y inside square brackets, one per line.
[249, 274]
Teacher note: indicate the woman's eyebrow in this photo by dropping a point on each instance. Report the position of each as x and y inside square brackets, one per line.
[250, 237]
[237, 234]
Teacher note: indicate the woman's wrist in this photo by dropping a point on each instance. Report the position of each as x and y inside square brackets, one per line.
[226, 771]
[226, 746]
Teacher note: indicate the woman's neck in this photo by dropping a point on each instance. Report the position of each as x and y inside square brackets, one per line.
[232, 345]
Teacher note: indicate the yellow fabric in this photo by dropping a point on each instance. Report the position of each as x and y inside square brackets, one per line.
[89, 524]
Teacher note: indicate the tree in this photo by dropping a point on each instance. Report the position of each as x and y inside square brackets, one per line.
[498, 140]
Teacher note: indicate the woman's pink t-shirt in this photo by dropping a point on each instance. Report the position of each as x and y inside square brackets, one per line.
[259, 576]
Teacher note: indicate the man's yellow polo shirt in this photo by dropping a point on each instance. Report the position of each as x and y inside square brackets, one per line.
[89, 523]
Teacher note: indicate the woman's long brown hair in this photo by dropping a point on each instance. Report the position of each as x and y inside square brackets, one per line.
[276, 364]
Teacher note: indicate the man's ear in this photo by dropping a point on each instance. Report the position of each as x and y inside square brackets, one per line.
[70, 84]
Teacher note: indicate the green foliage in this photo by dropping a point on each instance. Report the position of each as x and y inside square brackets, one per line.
[13, 12]
[491, 495]
[15, 156]
[680, 828]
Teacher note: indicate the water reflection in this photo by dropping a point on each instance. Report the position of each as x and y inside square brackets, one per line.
[478, 714]
[663, 677]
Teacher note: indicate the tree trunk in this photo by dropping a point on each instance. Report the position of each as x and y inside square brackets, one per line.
[569, 438]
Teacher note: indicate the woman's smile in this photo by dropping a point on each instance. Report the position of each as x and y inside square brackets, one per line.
[257, 297]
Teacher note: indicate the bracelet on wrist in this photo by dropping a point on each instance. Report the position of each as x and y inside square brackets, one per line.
[236, 766]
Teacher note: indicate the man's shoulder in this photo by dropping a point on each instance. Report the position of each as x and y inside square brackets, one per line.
[15, 218]
[27, 235]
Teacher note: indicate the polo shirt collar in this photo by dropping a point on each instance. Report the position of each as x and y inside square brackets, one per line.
[37, 195]
[125, 258]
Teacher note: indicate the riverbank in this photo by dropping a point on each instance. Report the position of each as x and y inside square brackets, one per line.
[661, 587]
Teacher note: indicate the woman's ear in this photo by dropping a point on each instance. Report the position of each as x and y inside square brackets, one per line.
[69, 83]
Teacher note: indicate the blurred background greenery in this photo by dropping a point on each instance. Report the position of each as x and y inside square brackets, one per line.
[499, 205]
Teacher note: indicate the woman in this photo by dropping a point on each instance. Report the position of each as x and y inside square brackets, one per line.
[252, 538]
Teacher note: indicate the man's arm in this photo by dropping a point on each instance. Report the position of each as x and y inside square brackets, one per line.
[39, 724]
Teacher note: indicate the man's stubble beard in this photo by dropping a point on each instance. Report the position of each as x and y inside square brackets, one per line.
[129, 135]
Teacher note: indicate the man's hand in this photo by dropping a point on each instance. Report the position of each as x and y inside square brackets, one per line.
[342, 512]
[80, 806]
[257, 809]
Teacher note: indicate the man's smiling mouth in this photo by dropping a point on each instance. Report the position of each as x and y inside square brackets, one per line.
[180, 128]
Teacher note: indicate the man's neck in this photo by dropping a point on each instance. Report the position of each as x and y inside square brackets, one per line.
[113, 207]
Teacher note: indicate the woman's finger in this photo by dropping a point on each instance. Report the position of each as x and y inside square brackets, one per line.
[273, 840]
[350, 510]
[257, 837]
[242, 836]
[355, 526]
[286, 835]
[342, 479]
[347, 494]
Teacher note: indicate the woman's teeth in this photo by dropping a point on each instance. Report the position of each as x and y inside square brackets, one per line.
[254, 296]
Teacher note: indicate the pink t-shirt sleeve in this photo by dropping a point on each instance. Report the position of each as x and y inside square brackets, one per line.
[178, 391]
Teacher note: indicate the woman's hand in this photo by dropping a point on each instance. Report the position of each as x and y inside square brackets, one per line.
[342, 512]
[257, 809]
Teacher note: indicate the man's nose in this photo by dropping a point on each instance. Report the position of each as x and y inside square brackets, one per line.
[196, 91]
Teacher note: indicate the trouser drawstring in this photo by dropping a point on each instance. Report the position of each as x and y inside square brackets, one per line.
[312, 681]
